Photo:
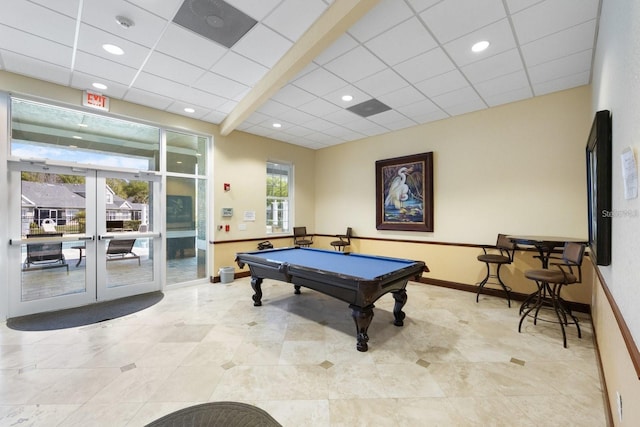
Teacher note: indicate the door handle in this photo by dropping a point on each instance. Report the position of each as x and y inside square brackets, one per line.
[85, 238]
[105, 237]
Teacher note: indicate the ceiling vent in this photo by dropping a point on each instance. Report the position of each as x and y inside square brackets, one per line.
[216, 20]
[369, 108]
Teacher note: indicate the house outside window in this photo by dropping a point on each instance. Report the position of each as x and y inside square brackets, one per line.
[278, 201]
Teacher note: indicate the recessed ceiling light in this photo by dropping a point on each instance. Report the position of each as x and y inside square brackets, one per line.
[347, 98]
[77, 137]
[113, 49]
[179, 162]
[480, 46]
[277, 125]
[189, 110]
[99, 86]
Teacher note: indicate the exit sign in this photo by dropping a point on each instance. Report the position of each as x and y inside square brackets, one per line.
[95, 100]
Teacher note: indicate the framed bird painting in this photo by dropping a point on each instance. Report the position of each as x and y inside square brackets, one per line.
[404, 193]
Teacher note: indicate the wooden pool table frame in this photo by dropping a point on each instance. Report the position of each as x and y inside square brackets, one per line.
[359, 293]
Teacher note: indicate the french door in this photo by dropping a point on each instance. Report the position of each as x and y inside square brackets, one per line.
[81, 235]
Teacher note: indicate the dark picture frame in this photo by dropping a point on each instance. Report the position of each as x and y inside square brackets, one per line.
[179, 211]
[599, 159]
[404, 193]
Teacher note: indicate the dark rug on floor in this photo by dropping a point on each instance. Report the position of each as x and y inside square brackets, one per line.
[86, 315]
[217, 414]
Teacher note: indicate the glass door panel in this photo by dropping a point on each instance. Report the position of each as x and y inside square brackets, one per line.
[128, 235]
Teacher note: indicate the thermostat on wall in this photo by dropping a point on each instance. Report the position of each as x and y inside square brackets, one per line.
[227, 212]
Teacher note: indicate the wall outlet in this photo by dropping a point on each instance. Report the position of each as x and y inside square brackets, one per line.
[619, 404]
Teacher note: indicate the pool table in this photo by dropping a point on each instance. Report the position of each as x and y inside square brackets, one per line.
[356, 279]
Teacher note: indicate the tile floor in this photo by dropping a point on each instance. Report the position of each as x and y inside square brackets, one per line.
[454, 363]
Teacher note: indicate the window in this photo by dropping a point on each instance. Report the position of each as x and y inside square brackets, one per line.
[278, 197]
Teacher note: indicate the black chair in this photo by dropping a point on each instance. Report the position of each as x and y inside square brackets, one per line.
[300, 237]
[345, 240]
[121, 249]
[550, 283]
[44, 255]
[505, 251]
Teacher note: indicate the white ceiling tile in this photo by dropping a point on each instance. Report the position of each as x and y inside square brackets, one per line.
[215, 117]
[420, 5]
[256, 117]
[424, 66]
[318, 124]
[27, 66]
[381, 83]
[296, 116]
[551, 16]
[263, 45]
[66, 7]
[239, 68]
[518, 5]
[189, 46]
[336, 96]
[341, 117]
[451, 19]
[355, 65]
[456, 97]
[405, 96]
[100, 67]
[344, 44]
[38, 48]
[402, 42]
[494, 66]
[388, 117]
[509, 96]
[39, 21]
[201, 99]
[319, 107]
[572, 40]
[165, 8]
[562, 83]
[343, 133]
[366, 127]
[177, 107]
[382, 17]
[222, 86]
[226, 107]
[257, 9]
[320, 82]
[293, 96]
[468, 106]
[154, 84]
[91, 40]
[562, 67]
[83, 81]
[147, 26]
[173, 69]
[498, 34]
[298, 131]
[443, 83]
[146, 98]
[418, 111]
[273, 108]
[506, 83]
[293, 17]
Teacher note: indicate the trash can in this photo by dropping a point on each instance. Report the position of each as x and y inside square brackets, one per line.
[226, 274]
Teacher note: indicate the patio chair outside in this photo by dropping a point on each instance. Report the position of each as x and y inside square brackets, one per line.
[119, 250]
[44, 255]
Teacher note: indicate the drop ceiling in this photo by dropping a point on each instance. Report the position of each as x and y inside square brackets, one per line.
[413, 56]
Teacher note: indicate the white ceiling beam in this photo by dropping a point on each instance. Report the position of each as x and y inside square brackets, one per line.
[334, 22]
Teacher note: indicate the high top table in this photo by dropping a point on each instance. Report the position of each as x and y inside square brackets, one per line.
[544, 244]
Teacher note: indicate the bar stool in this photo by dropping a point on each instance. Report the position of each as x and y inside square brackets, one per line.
[506, 250]
[550, 283]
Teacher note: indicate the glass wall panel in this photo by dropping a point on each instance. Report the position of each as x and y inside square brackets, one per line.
[186, 153]
[49, 132]
[186, 229]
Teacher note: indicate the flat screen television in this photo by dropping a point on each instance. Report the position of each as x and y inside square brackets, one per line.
[599, 188]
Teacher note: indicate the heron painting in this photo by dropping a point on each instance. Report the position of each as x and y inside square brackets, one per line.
[405, 193]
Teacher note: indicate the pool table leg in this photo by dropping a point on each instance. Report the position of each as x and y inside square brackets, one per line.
[362, 317]
[256, 283]
[401, 299]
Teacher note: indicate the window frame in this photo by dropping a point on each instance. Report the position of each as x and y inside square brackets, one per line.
[287, 201]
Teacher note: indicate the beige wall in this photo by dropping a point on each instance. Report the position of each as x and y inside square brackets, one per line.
[616, 87]
[517, 169]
